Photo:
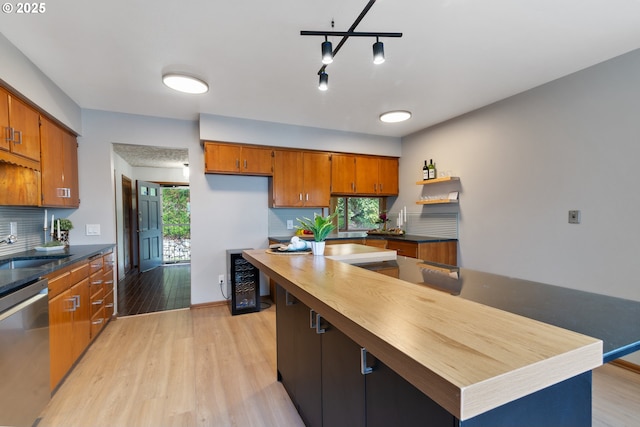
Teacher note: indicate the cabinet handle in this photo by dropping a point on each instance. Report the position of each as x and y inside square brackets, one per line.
[380, 186]
[353, 186]
[77, 301]
[97, 282]
[289, 299]
[319, 330]
[97, 322]
[307, 197]
[364, 369]
[375, 187]
[19, 140]
[109, 305]
[245, 163]
[98, 302]
[72, 302]
[9, 135]
[300, 196]
[237, 163]
[312, 319]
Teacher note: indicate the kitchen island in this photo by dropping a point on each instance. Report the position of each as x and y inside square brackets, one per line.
[484, 366]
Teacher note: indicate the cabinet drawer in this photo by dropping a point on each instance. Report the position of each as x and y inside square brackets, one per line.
[97, 322]
[107, 281]
[97, 302]
[95, 265]
[59, 284]
[79, 273]
[95, 284]
[108, 306]
[404, 248]
[377, 243]
[108, 261]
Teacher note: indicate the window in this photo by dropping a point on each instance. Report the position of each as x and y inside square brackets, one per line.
[358, 213]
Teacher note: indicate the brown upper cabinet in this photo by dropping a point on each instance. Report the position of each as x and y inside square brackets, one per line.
[237, 159]
[20, 131]
[59, 166]
[301, 179]
[364, 175]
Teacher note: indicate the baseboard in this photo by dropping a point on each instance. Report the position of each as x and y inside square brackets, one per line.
[627, 365]
[210, 304]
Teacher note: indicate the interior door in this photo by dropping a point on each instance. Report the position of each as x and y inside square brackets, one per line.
[149, 225]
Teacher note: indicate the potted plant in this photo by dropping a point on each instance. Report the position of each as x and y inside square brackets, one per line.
[61, 229]
[320, 227]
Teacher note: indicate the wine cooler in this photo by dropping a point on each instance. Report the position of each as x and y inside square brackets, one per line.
[244, 281]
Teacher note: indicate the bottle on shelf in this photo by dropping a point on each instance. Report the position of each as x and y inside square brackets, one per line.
[432, 169]
[425, 171]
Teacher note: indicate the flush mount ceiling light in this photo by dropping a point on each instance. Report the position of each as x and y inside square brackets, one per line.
[395, 116]
[328, 55]
[185, 83]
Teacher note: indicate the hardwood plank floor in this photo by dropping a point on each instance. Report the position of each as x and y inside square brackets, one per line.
[167, 287]
[204, 367]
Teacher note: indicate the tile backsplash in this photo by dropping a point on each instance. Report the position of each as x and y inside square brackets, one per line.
[30, 223]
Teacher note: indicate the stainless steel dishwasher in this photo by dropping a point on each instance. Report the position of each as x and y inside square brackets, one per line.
[24, 354]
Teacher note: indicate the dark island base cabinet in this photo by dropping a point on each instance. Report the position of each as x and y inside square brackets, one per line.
[322, 374]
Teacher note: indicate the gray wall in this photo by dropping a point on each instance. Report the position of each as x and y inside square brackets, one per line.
[525, 161]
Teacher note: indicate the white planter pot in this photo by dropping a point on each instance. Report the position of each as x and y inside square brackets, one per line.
[317, 248]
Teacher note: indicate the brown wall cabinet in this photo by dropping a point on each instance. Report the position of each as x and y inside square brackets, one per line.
[236, 159]
[59, 166]
[301, 179]
[364, 175]
[20, 141]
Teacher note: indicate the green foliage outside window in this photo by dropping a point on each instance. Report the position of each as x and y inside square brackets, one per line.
[176, 212]
[358, 213]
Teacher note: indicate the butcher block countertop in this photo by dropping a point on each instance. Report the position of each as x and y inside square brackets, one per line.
[468, 357]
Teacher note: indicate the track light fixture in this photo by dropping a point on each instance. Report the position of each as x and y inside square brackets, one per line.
[328, 53]
[378, 52]
[324, 81]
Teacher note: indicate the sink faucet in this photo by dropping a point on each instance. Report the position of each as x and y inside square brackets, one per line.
[10, 239]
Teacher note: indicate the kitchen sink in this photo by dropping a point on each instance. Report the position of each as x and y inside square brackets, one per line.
[11, 264]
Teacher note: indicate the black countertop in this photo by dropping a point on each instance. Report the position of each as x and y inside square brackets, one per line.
[615, 321]
[362, 234]
[13, 279]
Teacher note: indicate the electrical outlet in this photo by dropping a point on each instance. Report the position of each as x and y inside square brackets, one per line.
[574, 217]
[221, 279]
[289, 224]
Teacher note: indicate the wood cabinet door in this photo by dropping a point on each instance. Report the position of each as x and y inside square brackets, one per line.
[366, 175]
[221, 158]
[392, 401]
[70, 173]
[81, 318]
[285, 337]
[409, 249]
[343, 174]
[60, 336]
[440, 252]
[288, 179]
[343, 385]
[4, 120]
[256, 161]
[25, 120]
[52, 164]
[316, 173]
[388, 177]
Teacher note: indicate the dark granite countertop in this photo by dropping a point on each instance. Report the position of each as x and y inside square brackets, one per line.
[615, 321]
[12, 279]
[362, 234]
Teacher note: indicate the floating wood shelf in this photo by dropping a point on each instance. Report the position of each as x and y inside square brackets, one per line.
[435, 202]
[437, 180]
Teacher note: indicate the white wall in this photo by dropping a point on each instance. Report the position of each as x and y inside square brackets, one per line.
[526, 161]
[22, 75]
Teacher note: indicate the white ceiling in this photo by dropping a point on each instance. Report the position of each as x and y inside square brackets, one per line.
[455, 55]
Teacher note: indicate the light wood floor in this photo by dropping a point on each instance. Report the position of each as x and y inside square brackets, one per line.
[204, 367]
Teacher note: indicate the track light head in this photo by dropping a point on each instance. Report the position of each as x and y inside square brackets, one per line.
[327, 52]
[378, 52]
[324, 81]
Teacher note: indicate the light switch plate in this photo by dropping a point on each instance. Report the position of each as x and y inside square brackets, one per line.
[93, 230]
[574, 217]
[289, 224]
